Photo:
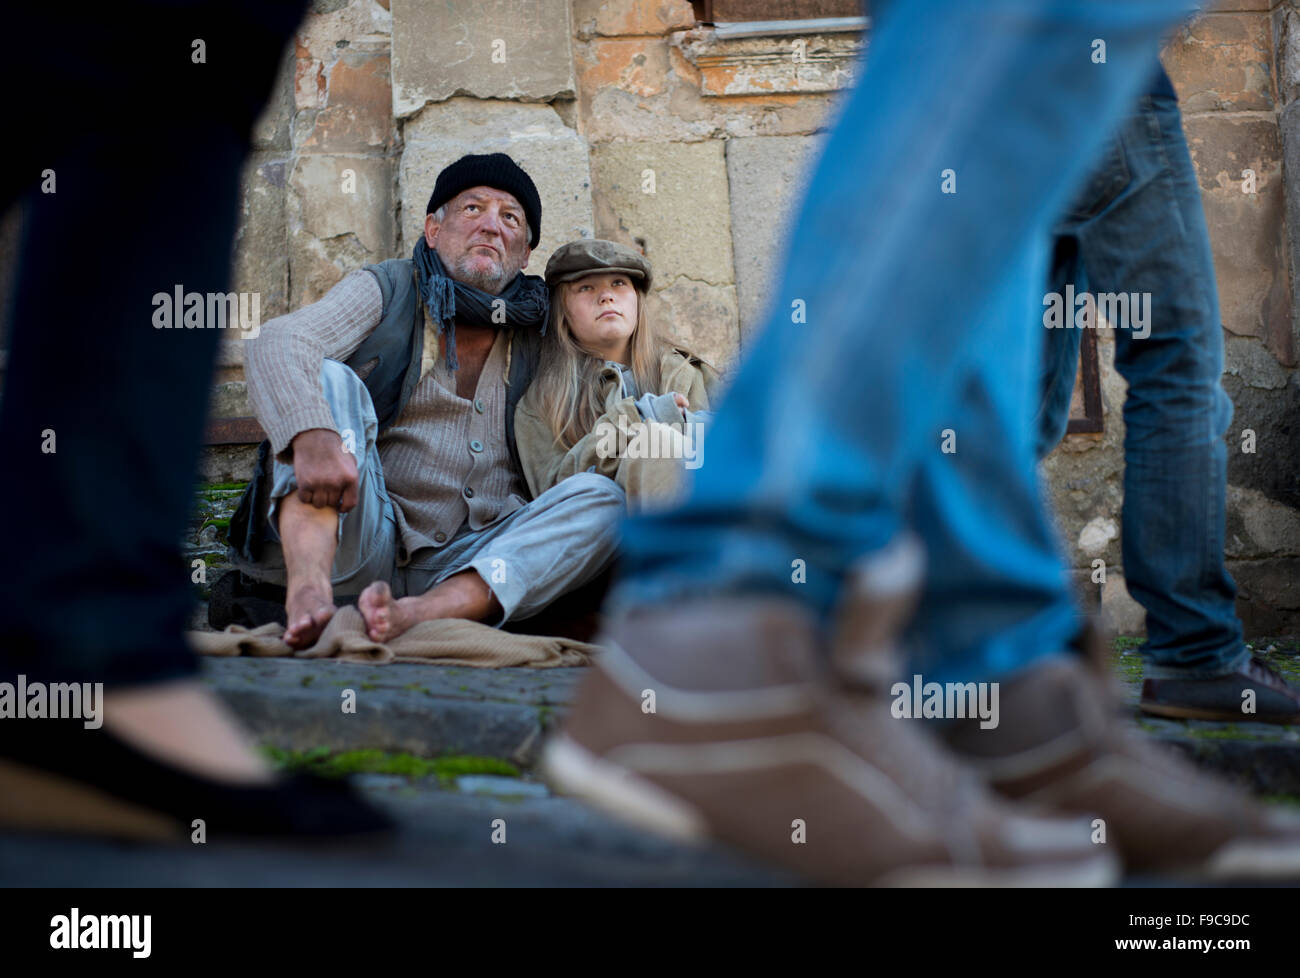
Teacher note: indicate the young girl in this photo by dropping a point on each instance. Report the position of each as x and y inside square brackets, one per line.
[610, 395]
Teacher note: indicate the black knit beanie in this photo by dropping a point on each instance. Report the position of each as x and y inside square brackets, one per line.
[495, 170]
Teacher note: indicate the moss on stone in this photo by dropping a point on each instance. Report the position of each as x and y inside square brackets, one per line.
[1128, 666]
[1280, 799]
[1233, 732]
[323, 761]
[210, 488]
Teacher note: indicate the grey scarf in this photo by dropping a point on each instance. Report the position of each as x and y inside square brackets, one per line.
[526, 298]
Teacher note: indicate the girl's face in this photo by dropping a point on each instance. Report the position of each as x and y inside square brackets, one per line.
[601, 309]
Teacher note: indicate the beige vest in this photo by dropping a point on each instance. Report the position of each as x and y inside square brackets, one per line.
[446, 464]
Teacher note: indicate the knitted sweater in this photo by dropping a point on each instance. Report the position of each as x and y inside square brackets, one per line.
[445, 460]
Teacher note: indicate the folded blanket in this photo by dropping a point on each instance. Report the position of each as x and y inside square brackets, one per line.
[446, 641]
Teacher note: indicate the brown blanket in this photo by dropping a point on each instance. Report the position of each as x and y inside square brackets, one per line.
[448, 641]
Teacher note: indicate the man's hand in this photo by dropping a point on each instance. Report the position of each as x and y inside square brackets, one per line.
[327, 475]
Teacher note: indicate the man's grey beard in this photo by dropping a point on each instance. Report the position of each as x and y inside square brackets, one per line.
[489, 281]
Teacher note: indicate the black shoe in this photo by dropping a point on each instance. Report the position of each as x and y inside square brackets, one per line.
[56, 775]
[1223, 697]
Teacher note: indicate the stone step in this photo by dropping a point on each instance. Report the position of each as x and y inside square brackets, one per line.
[297, 704]
[429, 711]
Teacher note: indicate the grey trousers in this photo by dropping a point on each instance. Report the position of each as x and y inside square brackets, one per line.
[561, 540]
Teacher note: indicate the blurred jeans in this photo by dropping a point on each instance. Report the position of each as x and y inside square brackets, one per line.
[901, 326]
[1138, 227]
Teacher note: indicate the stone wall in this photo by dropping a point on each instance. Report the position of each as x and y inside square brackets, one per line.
[641, 126]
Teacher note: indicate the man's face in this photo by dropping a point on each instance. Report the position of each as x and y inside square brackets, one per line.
[482, 238]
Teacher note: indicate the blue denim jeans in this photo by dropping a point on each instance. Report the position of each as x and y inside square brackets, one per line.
[1138, 227]
[901, 326]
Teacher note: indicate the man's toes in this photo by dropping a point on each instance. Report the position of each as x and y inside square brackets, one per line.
[374, 604]
[305, 629]
[293, 635]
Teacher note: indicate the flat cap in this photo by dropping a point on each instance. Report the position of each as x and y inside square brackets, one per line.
[588, 255]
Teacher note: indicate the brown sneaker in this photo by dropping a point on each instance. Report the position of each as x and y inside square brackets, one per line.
[1060, 748]
[1274, 700]
[719, 720]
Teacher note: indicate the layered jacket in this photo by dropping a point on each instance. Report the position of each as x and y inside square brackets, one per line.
[546, 462]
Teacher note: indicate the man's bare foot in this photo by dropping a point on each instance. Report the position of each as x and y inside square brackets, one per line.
[309, 606]
[464, 595]
[184, 724]
[382, 613]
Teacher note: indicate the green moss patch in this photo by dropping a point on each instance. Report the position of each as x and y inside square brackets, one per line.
[338, 764]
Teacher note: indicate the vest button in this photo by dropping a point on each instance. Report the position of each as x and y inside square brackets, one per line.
[469, 492]
[439, 537]
[478, 405]
[476, 446]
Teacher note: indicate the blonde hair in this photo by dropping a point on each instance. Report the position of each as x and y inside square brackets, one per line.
[570, 398]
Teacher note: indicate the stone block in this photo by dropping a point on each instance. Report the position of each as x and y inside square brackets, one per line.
[770, 65]
[637, 65]
[510, 49]
[337, 195]
[1258, 526]
[309, 84]
[767, 176]
[323, 33]
[1246, 229]
[1289, 122]
[623, 98]
[1223, 61]
[356, 116]
[554, 155]
[1286, 51]
[672, 200]
[1273, 419]
[699, 316]
[1268, 595]
[1120, 614]
[611, 18]
[1246, 358]
[260, 264]
[331, 230]
[271, 130]
[230, 400]
[227, 463]
[259, 240]
[1261, 5]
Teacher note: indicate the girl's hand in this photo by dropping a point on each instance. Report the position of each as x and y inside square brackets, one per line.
[682, 402]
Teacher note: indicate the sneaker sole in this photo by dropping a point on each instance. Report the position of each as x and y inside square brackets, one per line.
[576, 772]
[1245, 859]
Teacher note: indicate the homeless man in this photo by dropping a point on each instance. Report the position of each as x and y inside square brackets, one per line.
[392, 473]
